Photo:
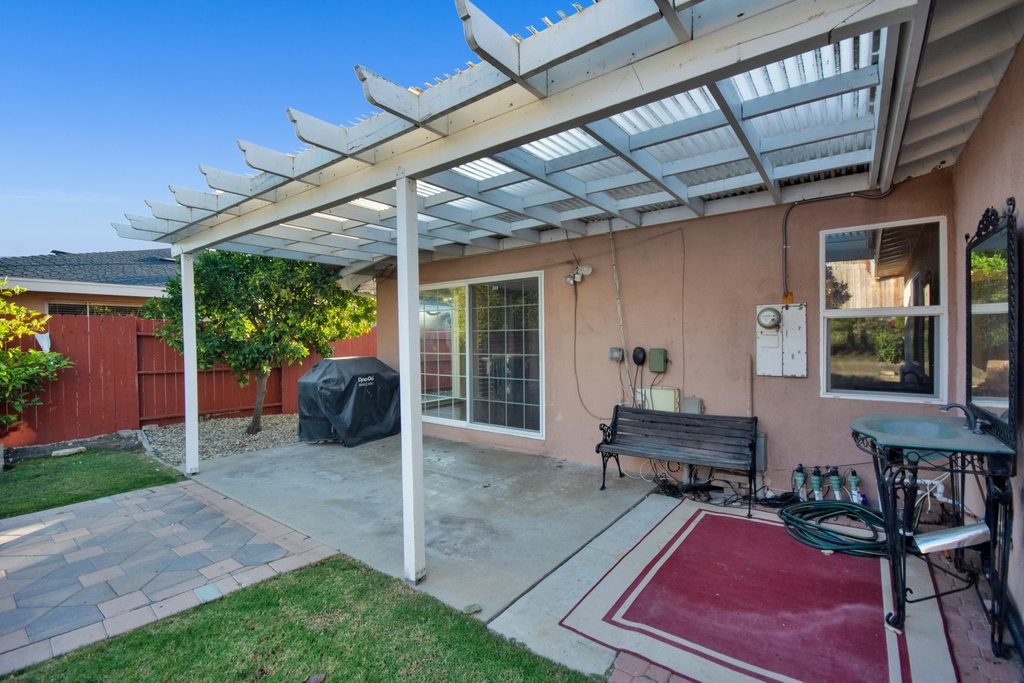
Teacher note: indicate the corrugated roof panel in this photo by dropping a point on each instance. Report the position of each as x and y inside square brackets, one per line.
[636, 190]
[425, 189]
[508, 217]
[482, 169]
[807, 67]
[567, 205]
[663, 112]
[468, 204]
[749, 189]
[824, 175]
[560, 144]
[371, 204]
[601, 169]
[657, 206]
[821, 150]
[694, 145]
[527, 188]
[826, 112]
[716, 173]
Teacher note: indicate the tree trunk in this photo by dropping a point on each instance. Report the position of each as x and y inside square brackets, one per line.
[255, 425]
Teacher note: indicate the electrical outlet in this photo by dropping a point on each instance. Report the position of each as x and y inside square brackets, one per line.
[616, 354]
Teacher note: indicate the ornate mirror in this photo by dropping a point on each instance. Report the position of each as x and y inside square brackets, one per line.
[992, 323]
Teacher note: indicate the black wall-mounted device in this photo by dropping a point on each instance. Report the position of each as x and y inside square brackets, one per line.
[639, 355]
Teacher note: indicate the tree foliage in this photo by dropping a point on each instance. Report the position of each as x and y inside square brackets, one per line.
[23, 372]
[255, 313]
[989, 276]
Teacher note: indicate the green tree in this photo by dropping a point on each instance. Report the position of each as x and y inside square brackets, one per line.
[23, 372]
[255, 313]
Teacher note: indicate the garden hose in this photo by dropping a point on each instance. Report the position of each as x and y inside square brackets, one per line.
[805, 522]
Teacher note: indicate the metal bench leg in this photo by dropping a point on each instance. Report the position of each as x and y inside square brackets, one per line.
[604, 467]
[750, 488]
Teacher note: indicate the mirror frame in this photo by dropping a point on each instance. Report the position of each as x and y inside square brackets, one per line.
[991, 222]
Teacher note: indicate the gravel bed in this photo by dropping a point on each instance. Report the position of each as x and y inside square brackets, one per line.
[223, 436]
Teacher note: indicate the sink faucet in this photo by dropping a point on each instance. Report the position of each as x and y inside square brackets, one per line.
[971, 421]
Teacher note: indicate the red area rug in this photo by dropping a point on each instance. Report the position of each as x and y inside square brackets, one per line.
[715, 596]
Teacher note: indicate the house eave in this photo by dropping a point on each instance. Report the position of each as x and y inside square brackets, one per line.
[92, 288]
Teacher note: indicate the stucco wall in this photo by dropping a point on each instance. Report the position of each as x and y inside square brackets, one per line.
[692, 289]
[990, 169]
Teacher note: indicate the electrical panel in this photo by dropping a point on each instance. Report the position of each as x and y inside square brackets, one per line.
[657, 360]
[781, 338]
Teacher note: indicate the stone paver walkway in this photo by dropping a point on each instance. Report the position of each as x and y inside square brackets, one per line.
[81, 573]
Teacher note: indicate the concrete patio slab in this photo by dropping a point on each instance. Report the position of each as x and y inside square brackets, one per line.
[533, 619]
[497, 522]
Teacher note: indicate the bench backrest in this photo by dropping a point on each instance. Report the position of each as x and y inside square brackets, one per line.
[726, 436]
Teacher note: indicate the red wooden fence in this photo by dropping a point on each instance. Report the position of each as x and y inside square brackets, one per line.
[125, 377]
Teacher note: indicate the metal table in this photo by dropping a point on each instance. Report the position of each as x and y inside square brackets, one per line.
[904, 446]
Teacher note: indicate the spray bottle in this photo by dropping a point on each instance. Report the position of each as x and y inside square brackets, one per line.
[816, 482]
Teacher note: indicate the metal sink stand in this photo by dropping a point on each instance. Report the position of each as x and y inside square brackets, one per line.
[896, 471]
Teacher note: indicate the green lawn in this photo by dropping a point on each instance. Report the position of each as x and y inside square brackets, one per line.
[44, 483]
[338, 618]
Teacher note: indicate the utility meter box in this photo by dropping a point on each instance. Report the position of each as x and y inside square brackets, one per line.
[781, 339]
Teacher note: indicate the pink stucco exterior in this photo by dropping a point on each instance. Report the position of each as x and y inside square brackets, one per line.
[990, 169]
[692, 289]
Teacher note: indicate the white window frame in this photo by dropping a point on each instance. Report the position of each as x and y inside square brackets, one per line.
[939, 312]
[467, 424]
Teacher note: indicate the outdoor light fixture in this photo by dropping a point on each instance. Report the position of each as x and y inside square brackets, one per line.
[577, 274]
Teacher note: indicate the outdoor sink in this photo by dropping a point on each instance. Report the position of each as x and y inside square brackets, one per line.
[945, 433]
[927, 428]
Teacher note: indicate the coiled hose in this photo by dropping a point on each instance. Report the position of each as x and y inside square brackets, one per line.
[804, 522]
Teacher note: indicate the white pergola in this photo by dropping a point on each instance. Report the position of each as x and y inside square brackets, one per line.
[623, 114]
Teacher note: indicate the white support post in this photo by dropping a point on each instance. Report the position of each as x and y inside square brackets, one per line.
[409, 371]
[188, 332]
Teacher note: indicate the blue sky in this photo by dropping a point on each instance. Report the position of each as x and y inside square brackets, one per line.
[105, 103]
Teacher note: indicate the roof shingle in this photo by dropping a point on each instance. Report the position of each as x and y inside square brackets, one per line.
[147, 267]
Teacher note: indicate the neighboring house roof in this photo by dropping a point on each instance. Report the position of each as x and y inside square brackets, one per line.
[129, 273]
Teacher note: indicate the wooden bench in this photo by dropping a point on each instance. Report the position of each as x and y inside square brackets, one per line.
[710, 440]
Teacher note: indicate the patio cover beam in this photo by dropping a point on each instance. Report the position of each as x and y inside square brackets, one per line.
[467, 187]
[911, 39]
[728, 99]
[505, 120]
[614, 138]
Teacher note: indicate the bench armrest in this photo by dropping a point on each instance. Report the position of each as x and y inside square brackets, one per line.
[607, 434]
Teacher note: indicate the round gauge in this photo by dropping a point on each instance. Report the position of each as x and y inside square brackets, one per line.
[769, 318]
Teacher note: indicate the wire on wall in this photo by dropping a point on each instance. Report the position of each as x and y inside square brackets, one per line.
[618, 307]
[575, 369]
[787, 293]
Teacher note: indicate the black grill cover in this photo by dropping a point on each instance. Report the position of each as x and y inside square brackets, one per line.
[351, 400]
